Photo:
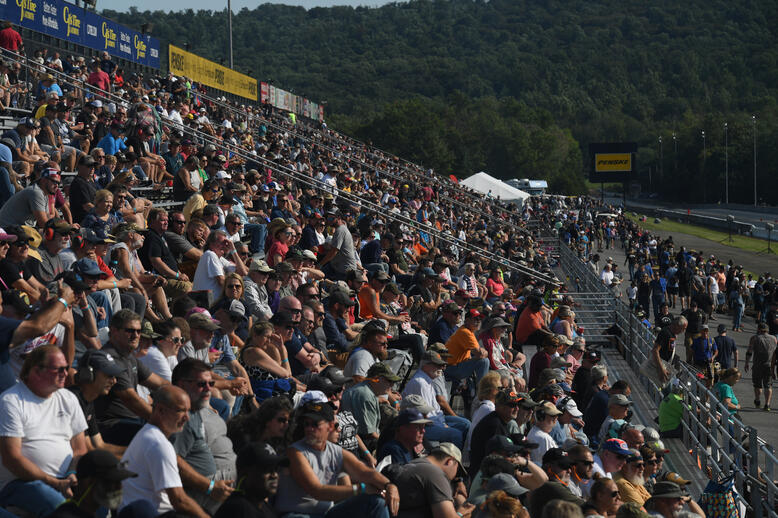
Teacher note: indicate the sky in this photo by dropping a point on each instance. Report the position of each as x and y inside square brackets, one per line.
[237, 5]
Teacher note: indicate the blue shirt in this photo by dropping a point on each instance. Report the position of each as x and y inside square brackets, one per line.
[111, 145]
[398, 452]
[703, 349]
[727, 349]
[441, 331]
[221, 343]
[294, 346]
[333, 330]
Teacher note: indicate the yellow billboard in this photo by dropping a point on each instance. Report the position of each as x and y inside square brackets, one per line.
[201, 70]
[611, 162]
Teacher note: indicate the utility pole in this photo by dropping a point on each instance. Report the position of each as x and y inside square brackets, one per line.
[704, 180]
[753, 118]
[229, 27]
[661, 161]
[726, 165]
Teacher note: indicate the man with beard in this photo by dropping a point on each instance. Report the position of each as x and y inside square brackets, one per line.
[315, 464]
[99, 486]
[362, 400]
[96, 375]
[196, 464]
[152, 456]
[630, 480]
[558, 465]
[257, 483]
[372, 350]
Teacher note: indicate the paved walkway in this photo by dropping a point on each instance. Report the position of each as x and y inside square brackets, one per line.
[764, 422]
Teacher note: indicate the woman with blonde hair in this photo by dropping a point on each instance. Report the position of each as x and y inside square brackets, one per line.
[488, 387]
[566, 323]
[234, 289]
[102, 218]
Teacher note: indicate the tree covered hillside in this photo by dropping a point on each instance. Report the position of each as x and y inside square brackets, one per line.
[606, 70]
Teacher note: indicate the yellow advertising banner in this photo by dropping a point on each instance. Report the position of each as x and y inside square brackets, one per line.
[609, 162]
[201, 70]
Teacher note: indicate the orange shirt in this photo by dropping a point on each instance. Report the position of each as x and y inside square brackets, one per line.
[460, 344]
[529, 322]
[365, 294]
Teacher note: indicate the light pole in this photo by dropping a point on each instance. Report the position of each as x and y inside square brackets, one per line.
[704, 152]
[753, 118]
[675, 153]
[730, 220]
[229, 26]
[769, 227]
[661, 163]
[726, 164]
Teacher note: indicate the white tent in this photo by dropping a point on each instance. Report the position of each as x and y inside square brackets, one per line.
[484, 183]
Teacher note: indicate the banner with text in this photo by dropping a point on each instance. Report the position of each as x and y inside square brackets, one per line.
[71, 23]
[183, 63]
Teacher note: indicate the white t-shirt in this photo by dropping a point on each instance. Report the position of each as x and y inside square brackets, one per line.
[483, 410]
[45, 425]
[157, 363]
[54, 337]
[208, 268]
[358, 363]
[152, 456]
[545, 442]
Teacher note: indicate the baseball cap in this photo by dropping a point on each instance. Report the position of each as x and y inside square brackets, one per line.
[676, 478]
[721, 328]
[222, 175]
[411, 416]
[506, 397]
[318, 411]
[557, 456]
[631, 510]
[58, 225]
[5, 236]
[501, 443]
[549, 408]
[558, 361]
[473, 313]
[86, 160]
[100, 360]
[525, 401]
[450, 306]
[312, 396]
[382, 370]
[341, 297]
[236, 309]
[259, 265]
[335, 375]
[462, 293]
[284, 267]
[449, 449]
[658, 446]
[261, 455]
[415, 402]
[18, 300]
[52, 173]
[282, 318]
[570, 407]
[87, 266]
[433, 357]
[202, 321]
[102, 464]
[616, 446]
[507, 483]
[619, 399]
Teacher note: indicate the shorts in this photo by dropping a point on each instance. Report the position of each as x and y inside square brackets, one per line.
[761, 377]
[683, 291]
[672, 290]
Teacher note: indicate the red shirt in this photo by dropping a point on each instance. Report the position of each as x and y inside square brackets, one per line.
[10, 39]
[99, 79]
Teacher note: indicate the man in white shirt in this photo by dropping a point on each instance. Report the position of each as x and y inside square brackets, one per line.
[213, 264]
[444, 428]
[546, 416]
[41, 435]
[607, 275]
[152, 456]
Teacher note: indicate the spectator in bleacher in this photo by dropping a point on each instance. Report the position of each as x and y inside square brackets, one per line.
[30, 206]
[10, 39]
[467, 356]
[531, 326]
[497, 422]
[200, 200]
[604, 500]
[122, 412]
[408, 437]
[98, 78]
[618, 408]
[447, 322]
[630, 480]
[152, 456]
[219, 257]
[340, 255]
[445, 428]
[113, 142]
[546, 417]
[196, 464]
[187, 181]
[363, 401]
[335, 325]
[156, 254]
[83, 189]
[41, 435]
[668, 500]
[258, 467]
[372, 349]
[14, 270]
[542, 359]
[56, 234]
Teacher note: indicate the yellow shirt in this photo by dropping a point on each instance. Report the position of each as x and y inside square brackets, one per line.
[630, 492]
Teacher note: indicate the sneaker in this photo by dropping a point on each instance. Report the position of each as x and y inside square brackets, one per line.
[757, 404]
[766, 408]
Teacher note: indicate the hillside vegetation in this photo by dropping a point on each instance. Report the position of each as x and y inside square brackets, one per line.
[519, 88]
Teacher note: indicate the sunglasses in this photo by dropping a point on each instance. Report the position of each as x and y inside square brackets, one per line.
[615, 494]
[132, 331]
[282, 420]
[652, 462]
[585, 462]
[178, 221]
[58, 370]
[176, 340]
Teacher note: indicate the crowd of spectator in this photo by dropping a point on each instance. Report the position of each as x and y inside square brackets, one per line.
[272, 345]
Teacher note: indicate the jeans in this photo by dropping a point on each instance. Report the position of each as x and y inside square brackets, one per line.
[222, 408]
[455, 432]
[372, 506]
[102, 301]
[258, 232]
[35, 497]
[464, 369]
[739, 308]
[656, 302]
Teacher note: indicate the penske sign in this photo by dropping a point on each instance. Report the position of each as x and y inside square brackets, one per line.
[612, 162]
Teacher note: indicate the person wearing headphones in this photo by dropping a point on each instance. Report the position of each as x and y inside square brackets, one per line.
[96, 375]
[56, 235]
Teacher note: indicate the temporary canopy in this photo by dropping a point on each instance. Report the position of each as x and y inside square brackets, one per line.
[484, 183]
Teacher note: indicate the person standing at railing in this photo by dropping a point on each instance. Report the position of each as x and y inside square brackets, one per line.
[762, 347]
[10, 39]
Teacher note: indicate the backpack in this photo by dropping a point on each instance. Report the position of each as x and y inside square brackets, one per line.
[718, 500]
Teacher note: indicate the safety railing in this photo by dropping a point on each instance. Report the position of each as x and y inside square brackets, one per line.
[721, 443]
